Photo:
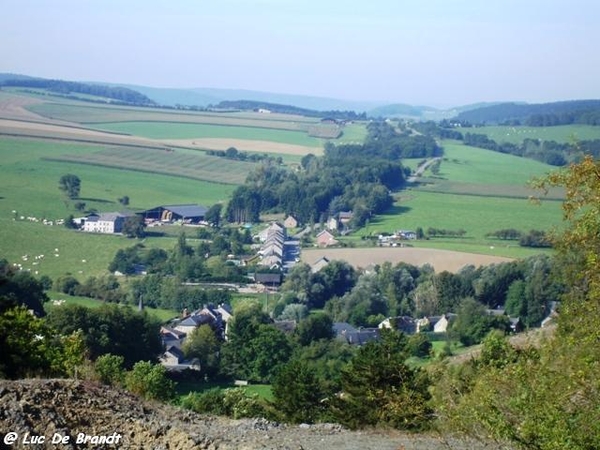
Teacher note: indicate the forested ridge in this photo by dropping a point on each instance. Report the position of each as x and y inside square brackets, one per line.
[540, 114]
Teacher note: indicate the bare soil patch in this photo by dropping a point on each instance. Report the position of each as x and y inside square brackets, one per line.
[13, 107]
[246, 145]
[440, 259]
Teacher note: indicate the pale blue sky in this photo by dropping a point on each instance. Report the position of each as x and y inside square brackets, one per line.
[433, 52]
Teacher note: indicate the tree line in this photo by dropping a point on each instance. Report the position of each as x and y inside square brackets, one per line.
[347, 177]
[546, 151]
[288, 109]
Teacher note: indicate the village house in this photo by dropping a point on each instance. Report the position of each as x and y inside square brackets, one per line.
[332, 224]
[171, 337]
[406, 324]
[347, 333]
[319, 264]
[290, 222]
[326, 239]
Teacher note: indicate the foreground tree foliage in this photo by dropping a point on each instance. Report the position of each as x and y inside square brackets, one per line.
[111, 328]
[546, 398]
[378, 387]
[20, 289]
[298, 394]
[254, 349]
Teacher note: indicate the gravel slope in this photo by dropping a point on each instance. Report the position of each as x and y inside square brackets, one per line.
[67, 408]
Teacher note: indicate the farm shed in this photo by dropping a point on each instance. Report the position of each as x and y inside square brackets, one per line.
[189, 213]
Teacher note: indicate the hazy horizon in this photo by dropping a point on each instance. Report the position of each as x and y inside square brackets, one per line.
[439, 53]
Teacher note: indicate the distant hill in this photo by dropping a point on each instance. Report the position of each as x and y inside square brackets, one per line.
[13, 76]
[539, 114]
[399, 110]
[204, 97]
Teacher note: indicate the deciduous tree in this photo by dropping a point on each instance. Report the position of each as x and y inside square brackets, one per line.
[70, 184]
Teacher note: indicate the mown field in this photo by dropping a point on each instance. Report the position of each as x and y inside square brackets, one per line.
[179, 163]
[170, 130]
[516, 135]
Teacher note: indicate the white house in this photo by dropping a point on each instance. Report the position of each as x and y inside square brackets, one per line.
[106, 223]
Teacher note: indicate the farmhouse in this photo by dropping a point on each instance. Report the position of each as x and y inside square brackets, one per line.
[187, 213]
[106, 223]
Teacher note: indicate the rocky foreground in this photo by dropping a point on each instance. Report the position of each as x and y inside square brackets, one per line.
[67, 414]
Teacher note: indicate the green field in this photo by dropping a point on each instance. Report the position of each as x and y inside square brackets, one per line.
[477, 215]
[474, 171]
[466, 164]
[479, 191]
[80, 112]
[29, 184]
[20, 238]
[516, 135]
[354, 133]
[170, 130]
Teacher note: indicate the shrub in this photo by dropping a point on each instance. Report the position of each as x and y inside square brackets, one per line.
[150, 381]
[109, 369]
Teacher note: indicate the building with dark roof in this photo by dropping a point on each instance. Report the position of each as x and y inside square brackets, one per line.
[189, 213]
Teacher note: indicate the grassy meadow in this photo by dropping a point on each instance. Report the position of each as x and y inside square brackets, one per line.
[516, 134]
[163, 315]
[29, 186]
[479, 191]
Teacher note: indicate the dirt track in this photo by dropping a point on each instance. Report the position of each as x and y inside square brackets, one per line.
[440, 259]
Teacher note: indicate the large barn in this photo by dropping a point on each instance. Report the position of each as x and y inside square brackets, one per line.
[188, 213]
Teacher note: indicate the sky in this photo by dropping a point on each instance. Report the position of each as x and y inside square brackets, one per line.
[423, 52]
